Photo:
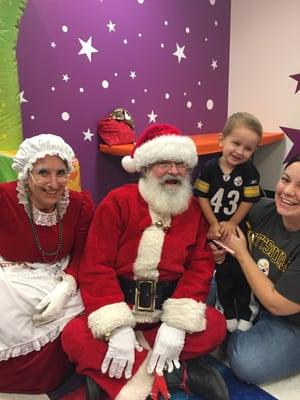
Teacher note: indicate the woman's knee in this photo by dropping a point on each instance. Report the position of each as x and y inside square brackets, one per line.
[246, 362]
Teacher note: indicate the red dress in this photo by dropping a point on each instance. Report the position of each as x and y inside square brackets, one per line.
[125, 241]
[43, 370]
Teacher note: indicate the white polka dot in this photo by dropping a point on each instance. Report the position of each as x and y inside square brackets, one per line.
[145, 90]
[140, 1]
[105, 84]
[162, 45]
[53, 89]
[166, 23]
[199, 83]
[32, 117]
[125, 41]
[167, 96]
[187, 30]
[64, 28]
[81, 90]
[132, 101]
[184, 93]
[116, 74]
[139, 35]
[206, 39]
[210, 104]
[65, 116]
[212, 2]
[189, 104]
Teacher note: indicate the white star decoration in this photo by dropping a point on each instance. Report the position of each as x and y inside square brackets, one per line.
[88, 135]
[214, 64]
[87, 48]
[66, 77]
[22, 98]
[199, 124]
[111, 26]
[179, 53]
[132, 74]
[152, 117]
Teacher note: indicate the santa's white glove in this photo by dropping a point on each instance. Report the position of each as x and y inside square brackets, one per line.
[120, 353]
[168, 345]
[52, 304]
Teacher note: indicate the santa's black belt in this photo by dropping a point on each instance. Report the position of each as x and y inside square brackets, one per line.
[146, 294]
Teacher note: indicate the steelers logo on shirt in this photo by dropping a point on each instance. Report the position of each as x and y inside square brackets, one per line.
[264, 265]
[238, 181]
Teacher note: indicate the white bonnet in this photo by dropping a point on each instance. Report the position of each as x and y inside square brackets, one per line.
[37, 147]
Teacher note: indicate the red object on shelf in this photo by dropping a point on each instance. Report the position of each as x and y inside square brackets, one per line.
[206, 143]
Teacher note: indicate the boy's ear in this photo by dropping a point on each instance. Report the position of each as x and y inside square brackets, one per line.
[221, 139]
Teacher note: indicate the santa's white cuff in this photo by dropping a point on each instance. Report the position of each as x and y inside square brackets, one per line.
[105, 320]
[185, 313]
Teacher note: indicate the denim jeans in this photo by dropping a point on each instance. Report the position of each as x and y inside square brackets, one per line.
[269, 351]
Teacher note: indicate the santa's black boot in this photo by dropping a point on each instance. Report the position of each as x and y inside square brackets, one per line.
[93, 390]
[205, 380]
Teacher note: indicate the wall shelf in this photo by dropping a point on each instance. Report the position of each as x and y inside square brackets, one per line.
[206, 143]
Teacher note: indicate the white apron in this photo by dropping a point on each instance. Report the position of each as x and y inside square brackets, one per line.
[22, 287]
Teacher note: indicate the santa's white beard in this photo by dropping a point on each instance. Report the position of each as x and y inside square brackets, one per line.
[163, 198]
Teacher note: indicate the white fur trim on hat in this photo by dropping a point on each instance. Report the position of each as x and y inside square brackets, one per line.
[185, 313]
[164, 147]
[37, 147]
[105, 320]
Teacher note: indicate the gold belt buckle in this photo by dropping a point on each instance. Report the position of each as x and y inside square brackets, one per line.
[151, 291]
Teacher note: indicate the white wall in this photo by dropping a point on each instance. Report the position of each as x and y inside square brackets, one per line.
[264, 51]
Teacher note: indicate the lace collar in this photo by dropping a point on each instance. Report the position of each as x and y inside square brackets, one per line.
[42, 218]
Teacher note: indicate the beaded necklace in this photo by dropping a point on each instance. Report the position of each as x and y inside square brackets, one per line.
[36, 238]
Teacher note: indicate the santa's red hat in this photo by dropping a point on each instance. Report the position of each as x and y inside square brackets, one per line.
[161, 142]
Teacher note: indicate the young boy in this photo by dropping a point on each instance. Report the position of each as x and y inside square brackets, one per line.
[227, 187]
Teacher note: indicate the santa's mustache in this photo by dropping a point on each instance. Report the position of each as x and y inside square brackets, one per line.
[169, 177]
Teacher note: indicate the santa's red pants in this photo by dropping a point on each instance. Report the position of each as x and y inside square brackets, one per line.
[88, 353]
[36, 372]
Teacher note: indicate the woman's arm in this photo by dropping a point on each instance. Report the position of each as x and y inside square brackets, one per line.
[263, 288]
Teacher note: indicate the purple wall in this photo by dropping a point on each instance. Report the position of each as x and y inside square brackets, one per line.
[190, 92]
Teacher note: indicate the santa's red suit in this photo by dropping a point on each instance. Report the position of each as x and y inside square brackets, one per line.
[130, 240]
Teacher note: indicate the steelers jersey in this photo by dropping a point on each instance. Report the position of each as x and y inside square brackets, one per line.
[226, 191]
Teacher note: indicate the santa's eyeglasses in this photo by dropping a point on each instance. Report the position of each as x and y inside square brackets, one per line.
[168, 165]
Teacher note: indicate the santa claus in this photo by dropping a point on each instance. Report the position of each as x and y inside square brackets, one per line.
[144, 279]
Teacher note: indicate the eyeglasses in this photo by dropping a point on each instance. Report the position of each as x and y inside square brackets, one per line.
[167, 165]
[43, 180]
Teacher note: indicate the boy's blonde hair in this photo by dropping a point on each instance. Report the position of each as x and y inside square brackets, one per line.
[243, 119]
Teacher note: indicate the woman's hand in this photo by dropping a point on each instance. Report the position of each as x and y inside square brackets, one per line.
[51, 306]
[237, 243]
